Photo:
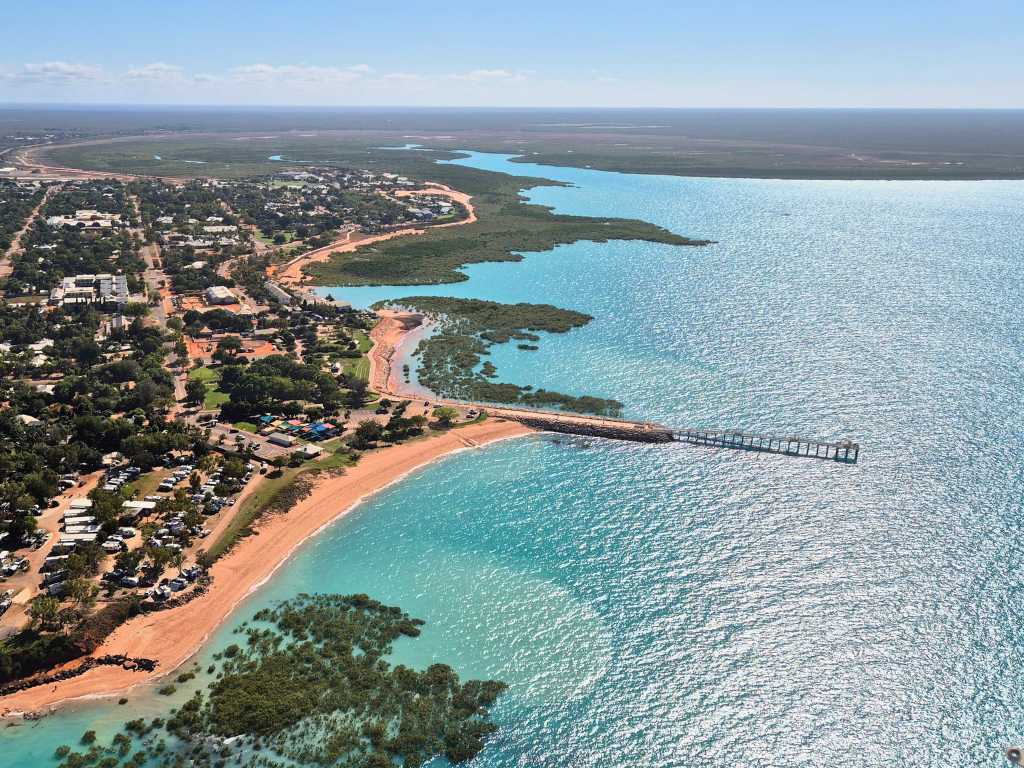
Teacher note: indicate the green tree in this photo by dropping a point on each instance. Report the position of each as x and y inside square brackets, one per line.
[229, 344]
[195, 390]
[81, 592]
[356, 394]
[129, 559]
[75, 565]
[160, 557]
[86, 561]
[135, 309]
[195, 481]
[42, 485]
[178, 561]
[233, 469]
[445, 415]
[207, 462]
[43, 611]
[205, 560]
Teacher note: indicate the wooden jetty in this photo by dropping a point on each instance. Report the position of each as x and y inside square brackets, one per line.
[790, 446]
[649, 432]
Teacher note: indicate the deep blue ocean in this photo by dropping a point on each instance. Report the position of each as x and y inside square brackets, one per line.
[679, 606]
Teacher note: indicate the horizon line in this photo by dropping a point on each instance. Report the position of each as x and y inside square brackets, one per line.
[359, 107]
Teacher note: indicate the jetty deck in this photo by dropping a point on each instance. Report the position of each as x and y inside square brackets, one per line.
[650, 432]
[601, 426]
[847, 452]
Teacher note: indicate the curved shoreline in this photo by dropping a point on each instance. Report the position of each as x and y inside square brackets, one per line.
[291, 273]
[173, 637]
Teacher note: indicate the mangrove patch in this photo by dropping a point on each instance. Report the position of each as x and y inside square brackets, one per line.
[310, 686]
[467, 328]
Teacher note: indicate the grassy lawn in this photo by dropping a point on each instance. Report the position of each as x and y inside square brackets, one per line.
[270, 240]
[215, 398]
[250, 508]
[362, 368]
[365, 344]
[247, 426]
[331, 446]
[205, 374]
[146, 485]
[479, 419]
[333, 461]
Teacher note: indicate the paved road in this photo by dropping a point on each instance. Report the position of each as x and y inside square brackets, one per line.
[153, 277]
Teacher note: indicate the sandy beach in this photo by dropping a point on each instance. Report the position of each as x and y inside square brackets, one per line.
[387, 335]
[173, 636]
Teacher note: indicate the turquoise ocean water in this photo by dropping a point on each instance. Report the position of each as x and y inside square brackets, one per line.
[675, 606]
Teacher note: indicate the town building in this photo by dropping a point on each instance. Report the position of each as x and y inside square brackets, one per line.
[109, 290]
[277, 293]
[218, 294]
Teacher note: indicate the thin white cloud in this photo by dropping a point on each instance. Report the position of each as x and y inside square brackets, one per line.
[155, 73]
[478, 75]
[475, 76]
[258, 83]
[57, 72]
[293, 74]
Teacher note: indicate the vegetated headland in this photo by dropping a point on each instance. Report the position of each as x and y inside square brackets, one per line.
[505, 228]
[464, 332]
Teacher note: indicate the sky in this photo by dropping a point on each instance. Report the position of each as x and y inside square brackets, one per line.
[715, 53]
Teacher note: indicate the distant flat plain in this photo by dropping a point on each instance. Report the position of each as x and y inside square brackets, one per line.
[790, 144]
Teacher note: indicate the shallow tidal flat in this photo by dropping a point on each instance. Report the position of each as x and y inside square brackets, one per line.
[675, 606]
